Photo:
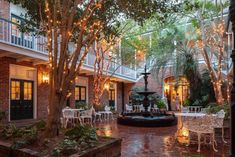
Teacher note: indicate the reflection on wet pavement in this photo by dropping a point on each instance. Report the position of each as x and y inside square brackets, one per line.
[156, 142]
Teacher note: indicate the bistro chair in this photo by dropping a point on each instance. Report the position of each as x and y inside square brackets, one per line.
[77, 117]
[108, 112]
[68, 116]
[87, 115]
[219, 122]
[129, 108]
[96, 115]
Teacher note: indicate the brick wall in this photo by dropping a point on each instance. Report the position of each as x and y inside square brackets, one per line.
[42, 93]
[4, 82]
[4, 9]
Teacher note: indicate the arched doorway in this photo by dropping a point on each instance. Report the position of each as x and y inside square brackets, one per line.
[174, 86]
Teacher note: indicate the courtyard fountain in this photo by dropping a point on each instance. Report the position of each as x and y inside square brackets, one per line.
[149, 117]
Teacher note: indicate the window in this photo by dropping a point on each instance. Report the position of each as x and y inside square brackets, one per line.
[80, 93]
[18, 37]
[27, 91]
[15, 29]
[15, 90]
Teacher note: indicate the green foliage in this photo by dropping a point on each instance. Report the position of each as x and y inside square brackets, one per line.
[100, 107]
[83, 134]
[201, 102]
[66, 147]
[11, 131]
[2, 114]
[39, 125]
[21, 136]
[213, 108]
[160, 104]
[78, 137]
[82, 105]
[186, 102]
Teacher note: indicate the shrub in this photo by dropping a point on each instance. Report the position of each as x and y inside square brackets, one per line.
[83, 134]
[39, 125]
[2, 114]
[201, 102]
[160, 104]
[66, 147]
[20, 136]
[186, 102]
[213, 108]
[100, 107]
[82, 105]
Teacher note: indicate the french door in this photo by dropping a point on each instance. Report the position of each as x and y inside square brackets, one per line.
[21, 95]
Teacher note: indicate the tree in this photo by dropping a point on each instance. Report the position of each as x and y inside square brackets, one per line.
[208, 20]
[103, 59]
[78, 23]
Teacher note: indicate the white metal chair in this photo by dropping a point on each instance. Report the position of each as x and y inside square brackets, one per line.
[203, 126]
[77, 117]
[96, 114]
[219, 122]
[68, 115]
[129, 108]
[108, 112]
[87, 115]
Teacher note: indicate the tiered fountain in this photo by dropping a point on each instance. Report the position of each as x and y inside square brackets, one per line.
[146, 93]
[148, 118]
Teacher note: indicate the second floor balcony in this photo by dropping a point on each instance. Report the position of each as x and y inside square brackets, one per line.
[15, 41]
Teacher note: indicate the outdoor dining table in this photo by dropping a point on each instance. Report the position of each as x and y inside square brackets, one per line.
[183, 116]
[190, 114]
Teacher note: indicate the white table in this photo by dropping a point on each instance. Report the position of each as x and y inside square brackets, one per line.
[180, 114]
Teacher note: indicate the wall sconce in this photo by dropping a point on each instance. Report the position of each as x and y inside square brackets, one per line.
[45, 78]
[106, 86]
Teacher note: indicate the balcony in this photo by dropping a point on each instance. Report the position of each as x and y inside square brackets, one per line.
[11, 38]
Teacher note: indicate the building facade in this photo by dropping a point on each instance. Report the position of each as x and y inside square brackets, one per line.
[24, 87]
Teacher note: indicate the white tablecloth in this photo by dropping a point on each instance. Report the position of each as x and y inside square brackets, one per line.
[190, 114]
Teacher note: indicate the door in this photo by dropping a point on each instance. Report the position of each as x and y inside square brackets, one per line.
[80, 96]
[112, 98]
[21, 99]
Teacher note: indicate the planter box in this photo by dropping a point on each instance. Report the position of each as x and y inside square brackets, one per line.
[110, 149]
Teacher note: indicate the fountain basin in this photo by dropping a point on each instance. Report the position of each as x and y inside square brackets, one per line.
[157, 120]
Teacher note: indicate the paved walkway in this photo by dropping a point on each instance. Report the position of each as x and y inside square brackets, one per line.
[156, 142]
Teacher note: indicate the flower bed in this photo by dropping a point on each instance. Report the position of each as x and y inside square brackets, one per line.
[80, 141]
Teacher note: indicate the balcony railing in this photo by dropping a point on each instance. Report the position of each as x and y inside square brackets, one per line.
[10, 34]
[114, 68]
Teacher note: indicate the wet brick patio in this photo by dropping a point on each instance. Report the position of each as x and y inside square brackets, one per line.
[156, 142]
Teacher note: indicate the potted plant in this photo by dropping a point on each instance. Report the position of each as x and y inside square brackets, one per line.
[161, 105]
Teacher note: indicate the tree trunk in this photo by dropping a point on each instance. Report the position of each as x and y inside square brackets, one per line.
[218, 94]
[57, 101]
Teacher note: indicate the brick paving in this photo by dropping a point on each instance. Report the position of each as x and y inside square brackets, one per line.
[156, 142]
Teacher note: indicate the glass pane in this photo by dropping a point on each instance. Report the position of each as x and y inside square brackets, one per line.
[15, 90]
[76, 93]
[83, 93]
[13, 96]
[15, 29]
[17, 84]
[13, 84]
[17, 94]
[110, 95]
[113, 95]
